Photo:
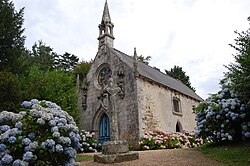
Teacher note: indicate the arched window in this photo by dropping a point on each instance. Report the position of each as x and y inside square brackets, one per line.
[176, 105]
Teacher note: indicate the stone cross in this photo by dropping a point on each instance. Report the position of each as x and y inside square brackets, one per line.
[113, 90]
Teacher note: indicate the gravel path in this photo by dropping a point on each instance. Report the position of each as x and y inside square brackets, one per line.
[173, 157]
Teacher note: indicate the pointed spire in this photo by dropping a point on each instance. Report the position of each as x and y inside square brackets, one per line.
[106, 16]
[106, 28]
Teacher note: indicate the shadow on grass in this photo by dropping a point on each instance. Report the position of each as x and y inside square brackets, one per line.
[229, 153]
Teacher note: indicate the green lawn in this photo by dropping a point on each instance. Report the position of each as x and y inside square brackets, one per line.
[80, 158]
[230, 154]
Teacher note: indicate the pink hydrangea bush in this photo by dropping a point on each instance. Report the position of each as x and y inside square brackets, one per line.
[152, 140]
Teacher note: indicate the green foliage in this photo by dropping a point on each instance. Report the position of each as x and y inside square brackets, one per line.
[43, 56]
[57, 86]
[82, 69]
[10, 91]
[239, 71]
[68, 62]
[179, 74]
[11, 35]
[144, 59]
[40, 73]
[229, 154]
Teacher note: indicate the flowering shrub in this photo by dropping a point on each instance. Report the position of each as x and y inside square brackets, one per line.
[89, 144]
[41, 134]
[222, 117]
[155, 139]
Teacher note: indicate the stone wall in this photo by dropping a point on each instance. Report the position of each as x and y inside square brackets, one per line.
[156, 108]
[126, 102]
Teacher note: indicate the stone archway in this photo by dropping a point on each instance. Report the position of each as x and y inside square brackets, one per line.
[101, 118]
[104, 129]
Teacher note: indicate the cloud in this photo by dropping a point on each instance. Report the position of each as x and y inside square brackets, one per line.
[193, 34]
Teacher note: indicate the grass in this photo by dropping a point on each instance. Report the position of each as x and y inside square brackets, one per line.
[80, 158]
[230, 154]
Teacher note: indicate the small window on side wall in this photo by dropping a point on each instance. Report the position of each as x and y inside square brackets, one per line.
[176, 106]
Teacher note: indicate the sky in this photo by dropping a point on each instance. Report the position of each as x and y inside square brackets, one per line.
[192, 34]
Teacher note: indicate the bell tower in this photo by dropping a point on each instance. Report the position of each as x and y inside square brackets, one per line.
[106, 29]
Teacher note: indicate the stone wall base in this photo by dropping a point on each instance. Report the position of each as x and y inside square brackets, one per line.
[116, 158]
[115, 147]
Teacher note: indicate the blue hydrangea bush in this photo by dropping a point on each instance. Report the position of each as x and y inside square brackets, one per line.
[222, 117]
[40, 134]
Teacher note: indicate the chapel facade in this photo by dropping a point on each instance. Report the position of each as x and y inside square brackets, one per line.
[146, 99]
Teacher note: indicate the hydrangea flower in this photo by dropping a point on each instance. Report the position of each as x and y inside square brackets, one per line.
[34, 128]
[32, 135]
[26, 141]
[220, 116]
[26, 104]
[28, 156]
[12, 139]
[40, 121]
[4, 128]
[33, 146]
[2, 148]
[50, 143]
[59, 148]
[70, 152]
[19, 125]
[56, 134]
[7, 159]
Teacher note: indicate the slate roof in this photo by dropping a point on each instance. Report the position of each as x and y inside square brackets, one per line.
[156, 75]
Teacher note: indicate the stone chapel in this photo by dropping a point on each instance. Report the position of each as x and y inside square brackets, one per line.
[146, 99]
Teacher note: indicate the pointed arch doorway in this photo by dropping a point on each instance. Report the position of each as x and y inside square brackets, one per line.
[178, 127]
[104, 129]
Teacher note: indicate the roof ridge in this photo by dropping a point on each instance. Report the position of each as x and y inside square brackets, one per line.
[178, 84]
[149, 66]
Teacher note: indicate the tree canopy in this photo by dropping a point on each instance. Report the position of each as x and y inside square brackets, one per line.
[11, 35]
[177, 73]
[68, 62]
[239, 71]
[39, 73]
[144, 59]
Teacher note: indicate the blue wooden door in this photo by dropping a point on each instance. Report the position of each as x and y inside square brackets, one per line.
[104, 129]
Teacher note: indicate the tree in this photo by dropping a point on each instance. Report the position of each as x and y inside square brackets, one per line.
[44, 57]
[55, 85]
[144, 59]
[11, 35]
[82, 69]
[68, 62]
[10, 91]
[179, 74]
[239, 71]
